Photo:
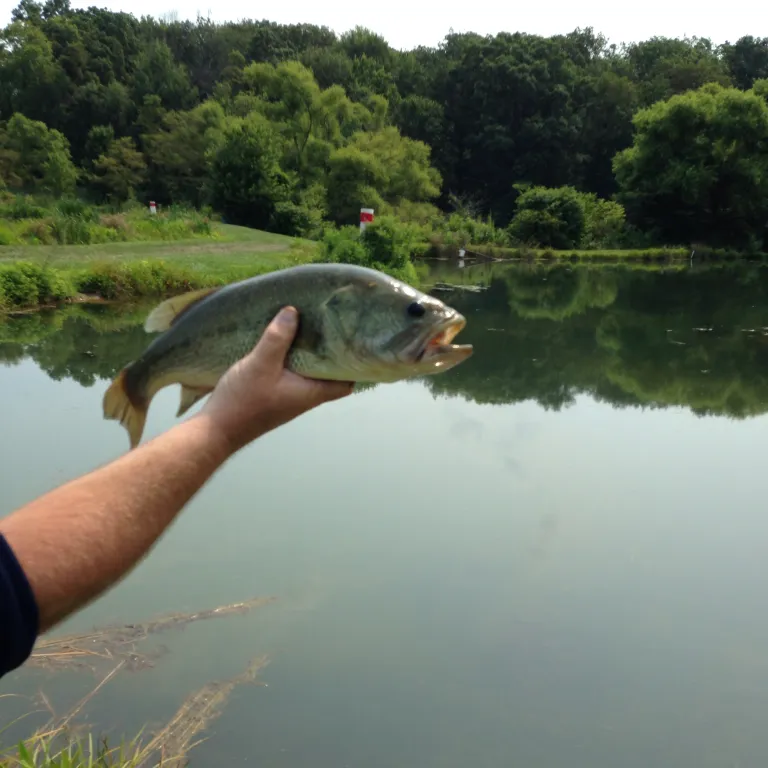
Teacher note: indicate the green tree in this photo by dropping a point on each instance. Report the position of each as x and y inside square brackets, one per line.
[178, 153]
[98, 142]
[31, 80]
[510, 105]
[36, 158]
[274, 43]
[308, 119]
[664, 67]
[120, 171]
[157, 73]
[552, 218]
[747, 60]
[354, 178]
[246, 179]
[604, 222]
[698, 169]
[376, 169]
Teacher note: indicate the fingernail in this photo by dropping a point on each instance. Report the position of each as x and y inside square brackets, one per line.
[287, 316]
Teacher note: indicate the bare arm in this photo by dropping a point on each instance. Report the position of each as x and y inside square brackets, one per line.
[78, 540]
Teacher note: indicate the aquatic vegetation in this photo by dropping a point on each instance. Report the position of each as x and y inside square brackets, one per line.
[120, 641]
[60, 742]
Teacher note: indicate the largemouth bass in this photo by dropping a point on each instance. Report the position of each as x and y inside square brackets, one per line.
[355, 324]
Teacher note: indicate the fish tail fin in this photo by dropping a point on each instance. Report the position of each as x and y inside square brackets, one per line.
[125, 407]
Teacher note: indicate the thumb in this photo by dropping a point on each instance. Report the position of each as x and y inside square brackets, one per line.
[276, 340]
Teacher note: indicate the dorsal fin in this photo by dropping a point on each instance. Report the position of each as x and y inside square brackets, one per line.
[164, 315]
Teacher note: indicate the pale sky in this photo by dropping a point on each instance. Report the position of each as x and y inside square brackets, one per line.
[405, 23]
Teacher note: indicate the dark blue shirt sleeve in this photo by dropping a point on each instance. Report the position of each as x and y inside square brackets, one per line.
[19, 617]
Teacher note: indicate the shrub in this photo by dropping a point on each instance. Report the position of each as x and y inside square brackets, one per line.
[142, 278]
[547, 217]
[297, 220]
[21, 207]
[37, 231]
[460, 229]
[72, 207]
[7, 236]
[24, 284]
[389, 243]
[71, 230]
[604, 223]
[385, 245]
[343, 245]
[116, 221]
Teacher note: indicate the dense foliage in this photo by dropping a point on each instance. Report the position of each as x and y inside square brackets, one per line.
[499, 139]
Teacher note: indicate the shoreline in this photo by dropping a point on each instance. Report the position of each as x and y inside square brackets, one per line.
[89, 275]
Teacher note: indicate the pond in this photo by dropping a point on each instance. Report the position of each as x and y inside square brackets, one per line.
[552, 555]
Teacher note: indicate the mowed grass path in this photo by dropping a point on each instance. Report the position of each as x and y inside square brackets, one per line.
[235, 252]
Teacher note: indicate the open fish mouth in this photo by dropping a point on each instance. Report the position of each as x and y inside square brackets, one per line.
[438, 344]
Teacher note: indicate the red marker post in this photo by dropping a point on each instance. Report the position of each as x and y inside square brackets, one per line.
[152, 207]
[366, 217]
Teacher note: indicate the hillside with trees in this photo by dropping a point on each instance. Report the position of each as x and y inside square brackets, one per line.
[562, 142]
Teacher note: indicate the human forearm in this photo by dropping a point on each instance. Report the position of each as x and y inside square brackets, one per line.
[78, 540]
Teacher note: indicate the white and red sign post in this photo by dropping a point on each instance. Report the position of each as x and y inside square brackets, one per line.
[366, 217]
[152, 207]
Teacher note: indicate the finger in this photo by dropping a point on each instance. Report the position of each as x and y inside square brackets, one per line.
[276, 340]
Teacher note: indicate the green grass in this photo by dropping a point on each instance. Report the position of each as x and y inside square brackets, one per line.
[229, 245]
[35, 275]
[84, 752]
[698, 253]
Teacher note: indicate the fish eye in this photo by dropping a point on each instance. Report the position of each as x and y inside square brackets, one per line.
[416, 310]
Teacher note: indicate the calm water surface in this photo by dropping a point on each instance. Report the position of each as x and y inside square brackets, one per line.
[555, 555]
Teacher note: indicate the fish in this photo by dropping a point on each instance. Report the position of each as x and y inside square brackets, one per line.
[356, 324]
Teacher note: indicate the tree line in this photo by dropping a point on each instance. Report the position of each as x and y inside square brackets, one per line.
[564, 141]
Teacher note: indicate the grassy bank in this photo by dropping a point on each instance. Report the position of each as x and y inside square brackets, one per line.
[39, 275]
[35, 275]
[646, 255]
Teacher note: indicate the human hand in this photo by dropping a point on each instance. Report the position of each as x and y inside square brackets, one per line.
[258, 393]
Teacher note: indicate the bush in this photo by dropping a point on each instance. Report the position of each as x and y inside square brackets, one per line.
[37, 231]
[71, 207]
[462, 230]
[21, 207]
[604, 223]
[71, 230]
[290, 218]
[6, 235]
[343, 246]
[389, 243]
[385, 245]
[141, 278]
[116, 221]
[551, 218]
[24, 284]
